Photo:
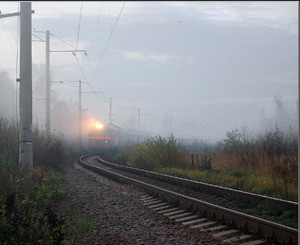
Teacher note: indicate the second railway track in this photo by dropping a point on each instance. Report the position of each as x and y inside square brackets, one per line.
[200, 198]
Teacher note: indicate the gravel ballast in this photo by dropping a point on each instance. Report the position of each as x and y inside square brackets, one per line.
[122, 218]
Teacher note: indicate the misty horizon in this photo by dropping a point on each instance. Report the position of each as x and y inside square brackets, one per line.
[193, 69]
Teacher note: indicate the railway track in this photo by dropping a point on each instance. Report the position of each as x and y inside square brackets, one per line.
[202, 206]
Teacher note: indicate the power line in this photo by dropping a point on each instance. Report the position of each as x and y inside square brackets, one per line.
[40, 40]
[79, 26]
[73, 53]
[42, 55]
[109, 16]
[93, 36]
[38, 49]
[108, 41]
[90, 86]
[17, 61]
[92, 40]
[8, 37]
[81, 68]
[63, 41]
[67, 43]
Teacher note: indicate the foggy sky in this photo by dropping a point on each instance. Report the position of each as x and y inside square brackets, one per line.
[197, 69]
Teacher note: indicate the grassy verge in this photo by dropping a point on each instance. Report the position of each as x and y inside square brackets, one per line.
[27, 214]
[252, 182]
[76, 227]
[29, 201]
[260, 168]
[27, 208]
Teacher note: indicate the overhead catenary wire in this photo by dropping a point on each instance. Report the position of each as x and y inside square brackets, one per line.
[41, 40]
[109, 16]
[77, 60]
[63, 40]
[108, 41]
[43, 56]
[81, 69]
[8, 37]
[93, 36]
[17, 62]
[79, 26]
[87, 81]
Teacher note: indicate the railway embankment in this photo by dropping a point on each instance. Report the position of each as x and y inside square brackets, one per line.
[116, 215]
[270, 231]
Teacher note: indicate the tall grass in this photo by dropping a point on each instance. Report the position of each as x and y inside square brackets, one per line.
[48, 152]
[8, 141]
[264, 164]
[157, 152]
[26, 200]
[242, 180]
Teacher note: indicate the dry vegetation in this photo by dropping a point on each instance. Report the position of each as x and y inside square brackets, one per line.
[28, 200]
[265, 164]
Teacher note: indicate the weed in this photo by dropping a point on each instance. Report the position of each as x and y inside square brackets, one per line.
[76, 225]
[26, 200]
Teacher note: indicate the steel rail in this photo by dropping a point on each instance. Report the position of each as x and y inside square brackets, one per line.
[210, 188]
[243, 221]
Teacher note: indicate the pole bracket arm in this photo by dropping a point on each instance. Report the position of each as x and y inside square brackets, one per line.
[12, 14]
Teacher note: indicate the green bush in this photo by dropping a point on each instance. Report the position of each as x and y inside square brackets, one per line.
[158, 152]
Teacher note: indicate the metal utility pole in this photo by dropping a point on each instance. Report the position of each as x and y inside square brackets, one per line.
[25, 138]
[80, 143]
[47, 84]
[79, 107]
[79, 112]
[25, 104]
[110, 107]
[139, 121]
[139, 118]
[171, 124]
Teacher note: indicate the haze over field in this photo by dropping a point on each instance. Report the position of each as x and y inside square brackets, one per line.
[197, 69]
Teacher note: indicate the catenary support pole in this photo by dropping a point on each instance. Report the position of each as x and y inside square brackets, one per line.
[110, 107]
[139, 123]
[47, 83]
[25, 133]
[80, 145]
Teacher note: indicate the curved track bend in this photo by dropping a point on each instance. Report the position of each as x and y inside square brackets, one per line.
[224, 221]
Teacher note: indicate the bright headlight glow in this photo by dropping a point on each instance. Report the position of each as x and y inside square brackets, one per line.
[99, 125]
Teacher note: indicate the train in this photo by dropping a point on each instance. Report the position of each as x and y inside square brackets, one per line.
[101, 137]
[104, 137]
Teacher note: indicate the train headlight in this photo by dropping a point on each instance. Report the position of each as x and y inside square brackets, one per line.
[99, 125]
